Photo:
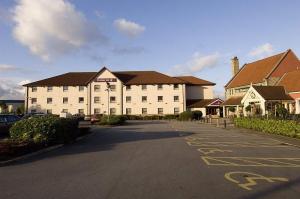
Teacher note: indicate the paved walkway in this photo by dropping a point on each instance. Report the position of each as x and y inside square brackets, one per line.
[154, 159]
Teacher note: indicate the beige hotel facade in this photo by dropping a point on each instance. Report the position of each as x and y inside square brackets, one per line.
[120, 93]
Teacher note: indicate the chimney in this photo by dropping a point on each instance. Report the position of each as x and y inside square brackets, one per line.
[235, 66]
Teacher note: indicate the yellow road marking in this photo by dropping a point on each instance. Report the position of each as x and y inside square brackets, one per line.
[233, 144]
[207, 151]
[251, 179]
[251, 161]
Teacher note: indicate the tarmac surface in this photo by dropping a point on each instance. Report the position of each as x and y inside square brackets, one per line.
[160, 159]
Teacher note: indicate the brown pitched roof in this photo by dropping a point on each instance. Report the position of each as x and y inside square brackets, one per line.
[255, 72]
[146, 77]
[272, 92]
[233, 101]
[127, 77]
[198, 103]
[291, 81]
[67, 79]
[196, 81]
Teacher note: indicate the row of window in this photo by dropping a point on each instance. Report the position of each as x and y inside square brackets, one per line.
[112, 99]
[144, 111]
[159, 87]
[97, 88]
[159, 99]
[50, 100]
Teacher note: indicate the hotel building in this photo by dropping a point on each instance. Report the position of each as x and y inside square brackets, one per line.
[126, 92]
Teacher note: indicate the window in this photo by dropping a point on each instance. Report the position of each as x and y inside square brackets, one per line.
[64, 111]
[176, 98]
[81, 111]
[176, 110]
[128, 99]
[144, 98]
[112, 99]
[159, 87]
[33, 110]
[128, 111]
[49, 111]
[113, 87]
[96, 100]
[97, 88]
[65, 88]
[33, 100]
[49, 100]
[144, 87]
[176, 86]
[81, 99]
[65, 100]
[81, 88]
[160, 98]
[112, 111]
[33, 89]
[97, 111]
[49, 89]
[128, 87]
[160, 111]
[144, 111]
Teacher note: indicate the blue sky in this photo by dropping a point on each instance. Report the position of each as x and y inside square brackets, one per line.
[39, 39]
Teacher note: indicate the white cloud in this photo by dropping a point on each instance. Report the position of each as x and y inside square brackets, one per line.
[11, 89]
[128, 50]
[262, 51]
[129, 28]
[51, 29]
[7, 68]
[197, 63]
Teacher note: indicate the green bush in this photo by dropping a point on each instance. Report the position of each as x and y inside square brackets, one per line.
[171, 117]
[231, 109]
[197, 115]
[186, 116]
[280, 127]
[112, 120]
[45, 129]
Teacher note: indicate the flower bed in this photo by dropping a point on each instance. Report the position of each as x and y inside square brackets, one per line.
[280, 127]
[35, 133]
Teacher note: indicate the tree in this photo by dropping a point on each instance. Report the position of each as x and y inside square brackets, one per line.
[20, 109]
[231, 109]
[3, 107]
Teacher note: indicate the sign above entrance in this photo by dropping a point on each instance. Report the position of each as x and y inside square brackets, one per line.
[106, 80]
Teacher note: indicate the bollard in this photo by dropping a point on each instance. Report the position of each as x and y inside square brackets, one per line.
[225, 124]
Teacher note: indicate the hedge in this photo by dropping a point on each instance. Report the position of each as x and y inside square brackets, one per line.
[45, 129]
[112, 120]
[280, 127]
[190, 115]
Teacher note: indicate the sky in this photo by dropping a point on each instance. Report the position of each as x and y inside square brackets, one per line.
[42, 38]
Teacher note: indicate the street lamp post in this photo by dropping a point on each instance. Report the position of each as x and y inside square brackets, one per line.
[108, 89]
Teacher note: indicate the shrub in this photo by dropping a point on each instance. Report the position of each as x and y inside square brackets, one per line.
[45, 129]
[231, 109]
[185, 116]
[171, 117]
[282, 112]
[280, 127]
[197, 115]
[112, 120]
[248, 108]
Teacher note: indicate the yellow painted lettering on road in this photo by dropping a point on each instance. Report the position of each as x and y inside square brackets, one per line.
[251, 179]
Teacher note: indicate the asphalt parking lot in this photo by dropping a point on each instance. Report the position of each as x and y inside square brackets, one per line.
[159, 159]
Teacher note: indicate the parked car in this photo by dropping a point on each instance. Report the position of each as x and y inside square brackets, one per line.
[95, 118]
[6, 121]
[33, 115]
